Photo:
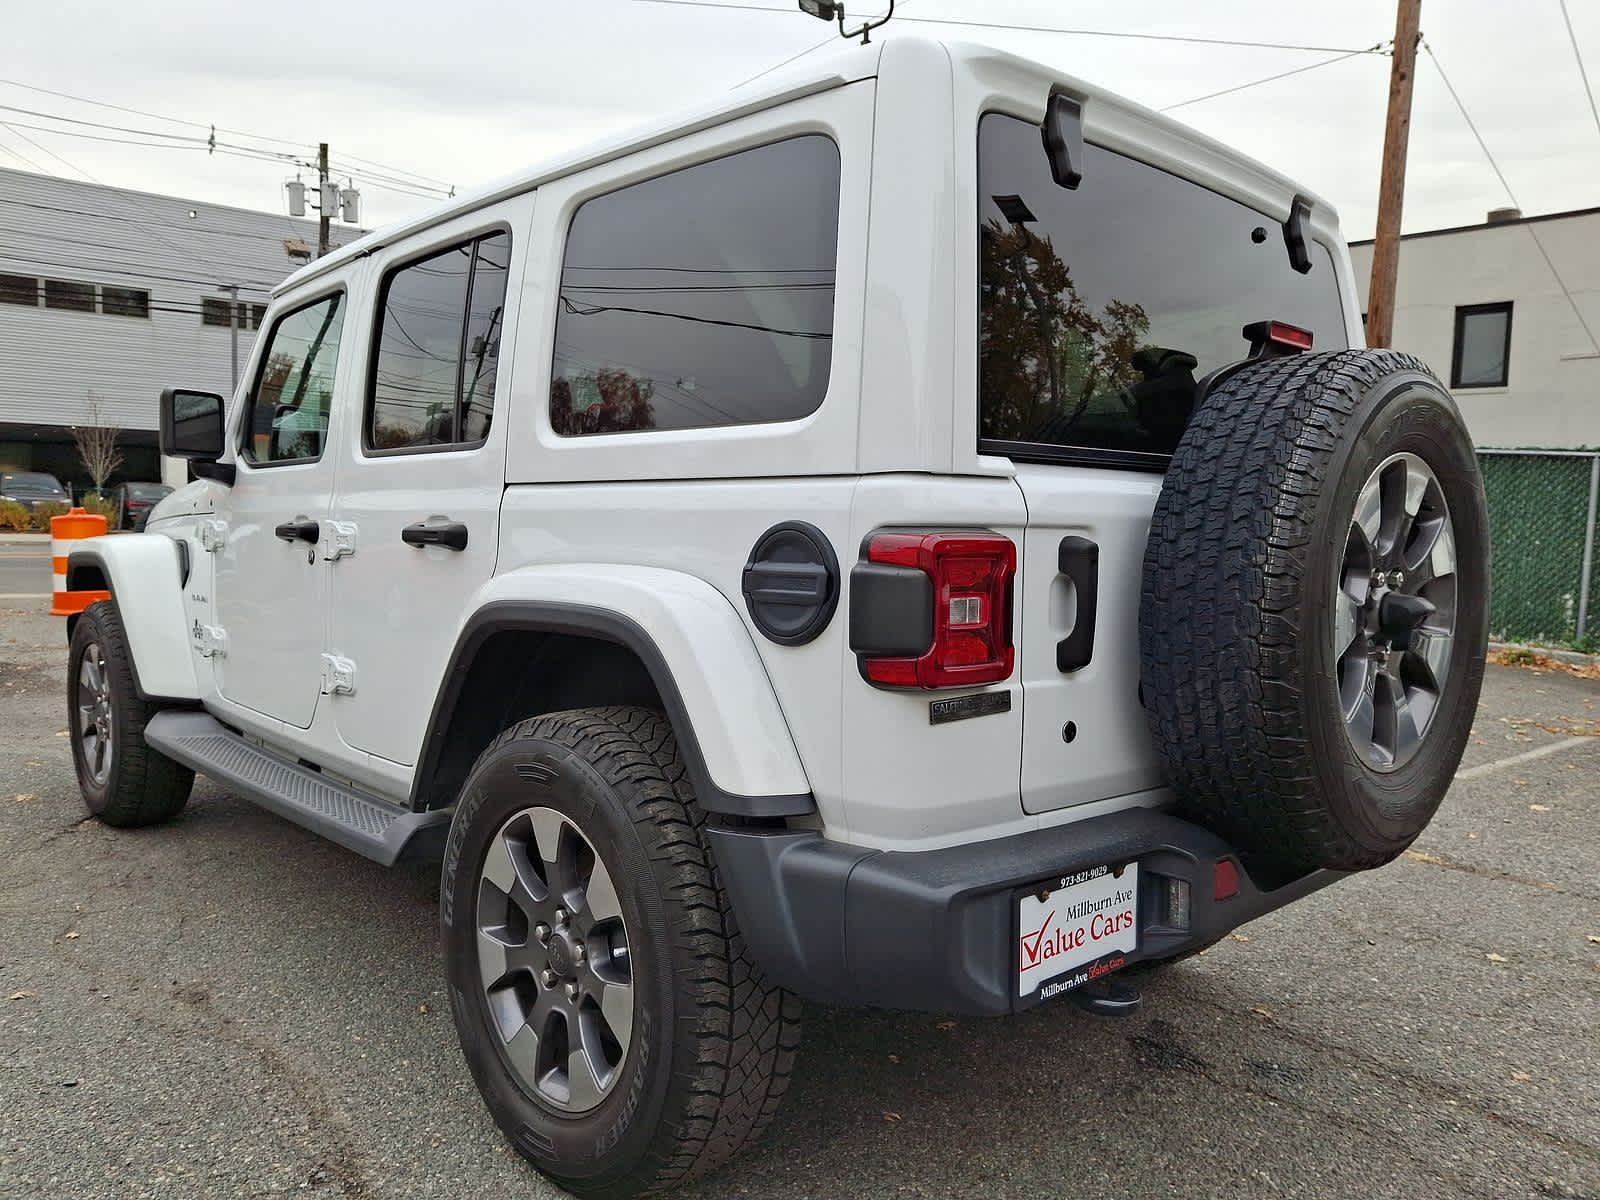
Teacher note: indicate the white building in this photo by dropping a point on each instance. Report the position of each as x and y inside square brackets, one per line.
[121, 294]
[1482, 306]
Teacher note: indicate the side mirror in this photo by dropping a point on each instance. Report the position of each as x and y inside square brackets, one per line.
[192, 428]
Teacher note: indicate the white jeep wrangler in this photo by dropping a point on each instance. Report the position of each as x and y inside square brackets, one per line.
[920, 533]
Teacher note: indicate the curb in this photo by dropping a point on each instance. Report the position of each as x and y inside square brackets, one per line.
[1573, 658]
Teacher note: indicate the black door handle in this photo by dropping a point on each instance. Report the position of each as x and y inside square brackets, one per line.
[299, 530]
[1079, 560]
[436, 531]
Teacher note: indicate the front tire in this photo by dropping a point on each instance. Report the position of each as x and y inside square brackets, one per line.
[125, 782]
[606, 1005]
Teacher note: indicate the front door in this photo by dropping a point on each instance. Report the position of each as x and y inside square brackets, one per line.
[420, 478]
[270, 585]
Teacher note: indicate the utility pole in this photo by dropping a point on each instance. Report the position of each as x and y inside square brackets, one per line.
[1392, 186]
[233, 321]
[323, 215]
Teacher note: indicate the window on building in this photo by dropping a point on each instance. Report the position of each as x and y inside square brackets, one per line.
[1482, 355]
[703, 297]
[124, 302]
[19, 289]
[438, 346]
[216, 312]
[64, 294]
[293, 392]
[258, 313]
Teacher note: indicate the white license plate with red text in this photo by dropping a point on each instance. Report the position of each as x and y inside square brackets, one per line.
[1076, 929]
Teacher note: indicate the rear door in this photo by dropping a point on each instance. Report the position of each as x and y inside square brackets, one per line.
[417, 508]
[1099, 308]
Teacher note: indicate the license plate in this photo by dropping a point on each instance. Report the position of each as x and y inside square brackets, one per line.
[1075, 929]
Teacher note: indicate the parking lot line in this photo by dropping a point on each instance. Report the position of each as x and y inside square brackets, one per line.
[24, 595]
[1525, 756]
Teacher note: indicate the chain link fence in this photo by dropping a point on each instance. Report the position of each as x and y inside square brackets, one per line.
[1542, 533]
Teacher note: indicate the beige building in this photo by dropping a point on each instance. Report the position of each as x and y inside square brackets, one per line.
[1484, 308]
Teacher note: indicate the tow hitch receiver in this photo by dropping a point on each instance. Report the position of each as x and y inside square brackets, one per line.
[1107, 998]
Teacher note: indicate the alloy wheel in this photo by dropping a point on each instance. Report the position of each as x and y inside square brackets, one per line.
[553, 960]
[95, 720]
[1394, 611]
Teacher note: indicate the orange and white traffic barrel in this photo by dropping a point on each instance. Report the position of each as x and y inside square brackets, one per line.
[63, 532]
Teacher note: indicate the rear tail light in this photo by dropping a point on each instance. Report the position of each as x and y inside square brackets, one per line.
[971, 576]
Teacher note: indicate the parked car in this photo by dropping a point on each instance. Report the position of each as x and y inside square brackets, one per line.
[135, 500]
[32, 488]
[943, 546]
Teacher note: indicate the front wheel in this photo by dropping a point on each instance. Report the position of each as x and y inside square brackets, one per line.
[605, 1002]
[124, 781]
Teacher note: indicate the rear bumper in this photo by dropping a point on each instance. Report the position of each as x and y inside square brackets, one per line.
[936, 931]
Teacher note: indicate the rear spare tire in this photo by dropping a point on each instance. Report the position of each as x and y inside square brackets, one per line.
[1314, 612]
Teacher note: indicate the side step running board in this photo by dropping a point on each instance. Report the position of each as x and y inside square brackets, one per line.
[381, 831]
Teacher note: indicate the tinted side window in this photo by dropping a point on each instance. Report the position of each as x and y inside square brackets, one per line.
[288, 415]
[703, 297]
[1101, 307]
[438, 342]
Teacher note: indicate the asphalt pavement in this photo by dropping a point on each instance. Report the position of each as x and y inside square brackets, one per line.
[229, 1006]
[24, 568]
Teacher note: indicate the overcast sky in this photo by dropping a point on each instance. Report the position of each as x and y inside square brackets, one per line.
[473, 89]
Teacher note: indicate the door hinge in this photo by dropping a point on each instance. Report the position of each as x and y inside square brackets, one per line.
[338, 539]
[210, 640]
[338, 675]
[213, 534]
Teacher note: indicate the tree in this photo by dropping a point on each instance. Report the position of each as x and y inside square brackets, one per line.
[1045, 354]
[97, 445]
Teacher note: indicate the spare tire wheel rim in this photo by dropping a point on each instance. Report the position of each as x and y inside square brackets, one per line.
[1394, 611]
[552, 948]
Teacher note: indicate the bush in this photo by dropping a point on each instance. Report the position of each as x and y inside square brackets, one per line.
[101, 506]
[13, 516]
[44, 510]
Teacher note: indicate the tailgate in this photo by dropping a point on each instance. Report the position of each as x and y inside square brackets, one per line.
[1110, 752]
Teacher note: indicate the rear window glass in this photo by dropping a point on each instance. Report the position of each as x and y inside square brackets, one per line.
[703, 297]
[1100, 307]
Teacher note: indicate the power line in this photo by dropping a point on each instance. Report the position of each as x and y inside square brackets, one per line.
[24, 159]
[259, 137]
[1578, 54]
[1021, 28]
[1326, 62]
[1511, 195]
[105, 216]
[126, 195]
[223, 265]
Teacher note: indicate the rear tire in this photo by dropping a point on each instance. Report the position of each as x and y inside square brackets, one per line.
[1314, 613]
[125, 782]
[579, 829]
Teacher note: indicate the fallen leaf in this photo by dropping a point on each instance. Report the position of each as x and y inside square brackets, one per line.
[1594, 939]
[1539, 807]
[1493, 957]
[423, 1009]
[19, 995]
[945, 1026]
[62, 733]
[891, 1116]
[26, 797]
[1264, 1013]
[1419, 856]
[72, 935]
[894, 1058]
[1241, 937]
[1521, 1077]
